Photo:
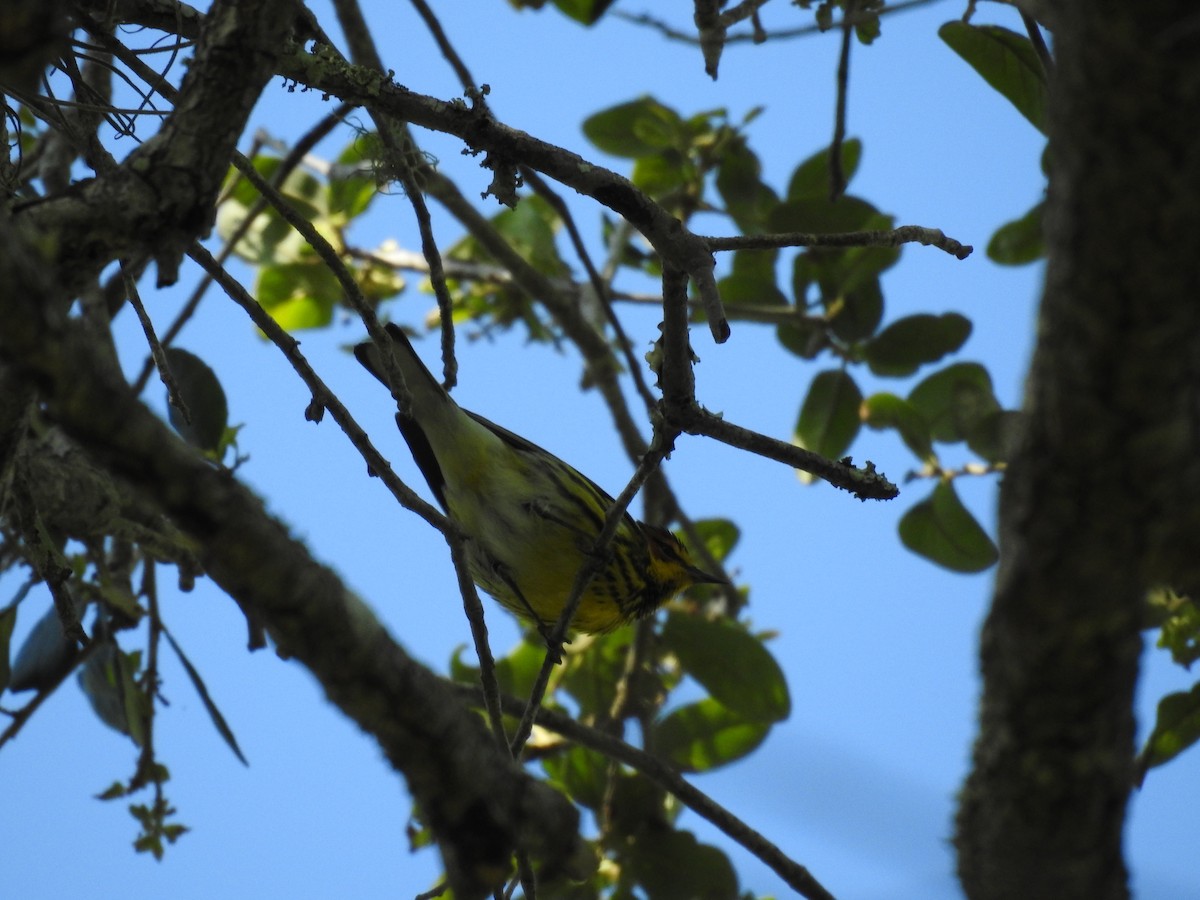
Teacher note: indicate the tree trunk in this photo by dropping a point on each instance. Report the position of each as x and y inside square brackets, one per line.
[1100, 502]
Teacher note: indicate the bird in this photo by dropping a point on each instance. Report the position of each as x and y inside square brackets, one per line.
[530, 520]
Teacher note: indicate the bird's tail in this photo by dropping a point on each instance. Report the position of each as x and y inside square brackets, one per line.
[417, 378]
[431, 407]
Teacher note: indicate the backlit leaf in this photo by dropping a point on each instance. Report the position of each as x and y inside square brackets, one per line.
[1176, 727]
[881, 411]
[731, 664]
[954, 400]
[1020, 241]
[829, 418]
[704, 735]
[1007, 61]
[201, 392]
[902, 347]
[941, 529]
[811, 179]
[673, 865]
[636, 128]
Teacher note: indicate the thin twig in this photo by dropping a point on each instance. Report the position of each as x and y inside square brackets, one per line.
[864, 483]
[837, 177]
[601, 287]
[503, 143]
[456, 63]
[483, 650]
[144, 771]
[351, 293]
[744, 10]
[404, 153]
[669, 31]
[157, 355]
[904, 234]
[1039, 42]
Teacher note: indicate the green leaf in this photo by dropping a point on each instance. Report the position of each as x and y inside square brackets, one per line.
[673, 865]
[748, 200]
[752, 280]
[720, 536]
[731, 664]
[883, 411]
[902, 347]
[1176, 727]
[1020, 241]
[637, 128]
[820, 215]
[214, 713]
[804, 337]
[846, 271]
[941, 529]
[8, 620]
[660, 173]
[867, 29]
[204, 397]
[349, 196]
[587, 12]
[1007, 61]
[515, 672]
[461, 671]
[857, 266]
[1179, 618]
[637, 809]
[114, 791]
[518, 670]
[45, 655]
[704, 735]
[270, 239]
[530, 228]
[376, 281]
[582, 773]
[811, 179]
[856, 313]
[954, 400]
[298, 295]
[592, 673]
[352, 183]
[994, 436]
[107, 680]
[829, 419]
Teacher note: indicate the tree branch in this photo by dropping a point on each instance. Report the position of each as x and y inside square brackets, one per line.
[479, 804]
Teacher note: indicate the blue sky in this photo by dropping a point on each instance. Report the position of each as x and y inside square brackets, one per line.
[878, 645]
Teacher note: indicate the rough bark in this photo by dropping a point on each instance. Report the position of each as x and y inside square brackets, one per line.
[1100, 502]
